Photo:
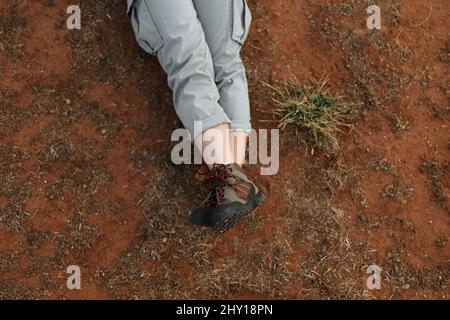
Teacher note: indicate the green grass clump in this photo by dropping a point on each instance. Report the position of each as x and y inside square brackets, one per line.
[313, 108]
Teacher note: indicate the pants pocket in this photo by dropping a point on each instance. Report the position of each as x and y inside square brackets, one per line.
[129, 7]
[242, 19]
[144, 27]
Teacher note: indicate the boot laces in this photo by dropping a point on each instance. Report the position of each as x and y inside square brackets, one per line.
[220, 180]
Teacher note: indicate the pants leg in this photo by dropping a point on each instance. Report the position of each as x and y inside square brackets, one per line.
[171, 30]
[226, 24]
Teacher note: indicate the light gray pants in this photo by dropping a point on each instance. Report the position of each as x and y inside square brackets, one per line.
[198, 45]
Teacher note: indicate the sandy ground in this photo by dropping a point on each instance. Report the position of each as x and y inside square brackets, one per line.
[86, 177]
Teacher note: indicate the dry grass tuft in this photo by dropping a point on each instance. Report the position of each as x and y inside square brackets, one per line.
[312, 107]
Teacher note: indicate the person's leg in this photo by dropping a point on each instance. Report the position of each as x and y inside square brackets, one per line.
[239, 139]
[215, 146]
[226, 25]
[170, 30]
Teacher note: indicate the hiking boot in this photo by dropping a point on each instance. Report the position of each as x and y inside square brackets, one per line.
[232, 196]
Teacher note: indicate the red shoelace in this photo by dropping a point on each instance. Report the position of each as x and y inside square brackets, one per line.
[219, 179]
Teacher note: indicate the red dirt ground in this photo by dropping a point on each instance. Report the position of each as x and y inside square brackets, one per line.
[86, 176]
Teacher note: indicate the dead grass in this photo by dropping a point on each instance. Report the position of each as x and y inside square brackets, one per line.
[11, 118]
[333, 267]
[35, 239]
[12, 290]
[436, 173]
[8, 261]
[12, 27]
[13, 214]
[363, 52]
[170, 259]
[401, 276]
[398, 189]
[444, 55]
[99, 57]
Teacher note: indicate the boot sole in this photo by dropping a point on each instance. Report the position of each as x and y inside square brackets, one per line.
[228, 222]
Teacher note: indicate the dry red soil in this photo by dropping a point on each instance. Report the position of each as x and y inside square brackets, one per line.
[86, 177]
